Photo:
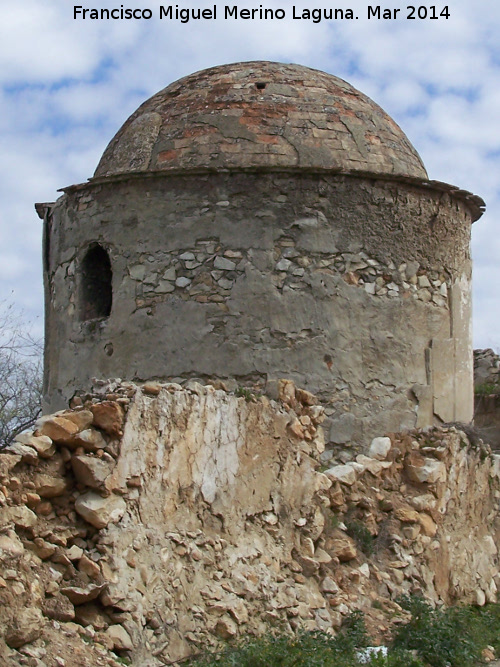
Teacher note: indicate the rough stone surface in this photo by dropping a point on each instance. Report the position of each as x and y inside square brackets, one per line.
[487, 396]
[379, 448]
[226, 526]
[91, 471]
[23, 628]
[300, 238]
[98, 510]
[108, 416]
[345, 474]
[220, 117]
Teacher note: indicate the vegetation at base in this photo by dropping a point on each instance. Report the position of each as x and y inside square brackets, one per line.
[487, 389]
[448, 636]
[247, 394]
[361, 535]
[306, 649]
[451, 637]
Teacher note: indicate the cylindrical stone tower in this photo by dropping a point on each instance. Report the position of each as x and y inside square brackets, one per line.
[259, 221]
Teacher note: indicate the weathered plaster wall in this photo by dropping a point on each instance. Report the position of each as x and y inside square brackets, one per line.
[355, 288]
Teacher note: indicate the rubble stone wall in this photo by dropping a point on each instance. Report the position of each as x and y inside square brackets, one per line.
[155, 521]
[358, 289]
[487, 395]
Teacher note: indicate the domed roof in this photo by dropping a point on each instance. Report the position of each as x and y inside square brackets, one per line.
[260, 114]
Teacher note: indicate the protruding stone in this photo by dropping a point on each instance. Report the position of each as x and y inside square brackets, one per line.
[108, 416]
[42, 548]
[9, 461]
[42, 444]
[345, 474]
[20, 516]
[91, 614]
[23, 452]
[91, 471]
[81, 418]
[226, 628]
[58, 429]
[25, 627]
[426, 470]
[480, 598]
[100, 511]
[74, 552]
[89, 567]
[426, 502]
[328, 585]
[372, 465]
[286, 391]
[406, 515]
[296, 429]
[343, 548]
[11, 546]
[78, 595]
[305, 397]
[48, 486]
[379, 448]
[120, 638]
[224, 264]
[427, 524]
[91, 440]
[152, 388]
[58, 608]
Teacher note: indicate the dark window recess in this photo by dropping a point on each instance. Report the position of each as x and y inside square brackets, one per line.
[96, 293]
[260, 85]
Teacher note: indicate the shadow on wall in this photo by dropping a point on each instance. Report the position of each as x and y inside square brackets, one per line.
[96, 296]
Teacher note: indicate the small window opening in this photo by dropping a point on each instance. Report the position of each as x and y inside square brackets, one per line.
[260, 85]
[96, 293]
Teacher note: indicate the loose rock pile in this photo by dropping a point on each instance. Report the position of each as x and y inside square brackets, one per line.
[486, 369]
[487, 395]
[156, 521]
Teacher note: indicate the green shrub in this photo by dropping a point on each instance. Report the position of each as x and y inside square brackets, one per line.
[307, 649]
[432, 638]
[486, 389]
[361, 535]
[441, 637]
[247, 394]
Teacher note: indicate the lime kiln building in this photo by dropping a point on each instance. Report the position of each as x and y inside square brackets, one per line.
[259, 221]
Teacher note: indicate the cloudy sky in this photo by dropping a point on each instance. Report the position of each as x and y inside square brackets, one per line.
[68, 84]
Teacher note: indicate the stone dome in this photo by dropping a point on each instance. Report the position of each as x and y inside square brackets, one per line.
[256, 115]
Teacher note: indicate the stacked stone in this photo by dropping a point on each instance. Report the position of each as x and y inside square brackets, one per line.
[293, 271]
[155, 521]
[50, 479]
[208, 272]
[487, 396]
[486, 369]
[205, 273]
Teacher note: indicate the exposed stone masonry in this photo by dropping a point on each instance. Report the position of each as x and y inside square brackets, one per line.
[207, 273]
[487, 395]
[260, 114]
[260, 221]
[253, 315]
